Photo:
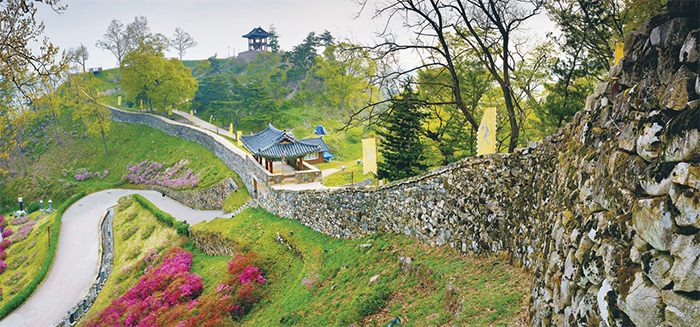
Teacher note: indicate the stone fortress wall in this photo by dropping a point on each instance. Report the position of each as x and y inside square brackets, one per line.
[604, 213]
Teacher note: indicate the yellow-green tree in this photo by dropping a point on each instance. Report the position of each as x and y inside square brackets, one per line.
[80, 95]
[147, 76]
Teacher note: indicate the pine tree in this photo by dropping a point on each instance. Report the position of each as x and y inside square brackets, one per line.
[402, 150]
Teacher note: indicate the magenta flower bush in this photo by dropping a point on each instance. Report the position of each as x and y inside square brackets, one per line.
[82, 174]
[3, 266]
[161, 288]
[4, 244]
[7, 233]
[151, 172]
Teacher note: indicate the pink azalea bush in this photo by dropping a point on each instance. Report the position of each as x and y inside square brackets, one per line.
[7, 232]
[4, 244]
[20, 220]
[3, 266]
[169, 295]
[151, 172]
[82, 174]
[160, 289]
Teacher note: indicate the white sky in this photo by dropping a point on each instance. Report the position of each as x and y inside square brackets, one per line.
[216, 25]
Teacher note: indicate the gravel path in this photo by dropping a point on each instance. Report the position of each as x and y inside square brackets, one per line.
[77, 255]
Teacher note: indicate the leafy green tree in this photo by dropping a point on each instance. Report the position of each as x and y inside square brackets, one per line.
[273, 39]
[81, 96]
[159, 82]
[302, 57]
[401, 146]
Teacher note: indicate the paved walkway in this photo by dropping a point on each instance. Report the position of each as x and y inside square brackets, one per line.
[77, 255]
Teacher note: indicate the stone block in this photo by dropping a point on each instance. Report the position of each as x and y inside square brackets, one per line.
[653, 222]
[671, 33]
[679, 90]
[656, 266]
[690, 51]
[643, 304]
[648, 142]
[685, 272]
[680, 310]
[687, 201]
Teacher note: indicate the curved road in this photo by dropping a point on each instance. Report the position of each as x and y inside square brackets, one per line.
[75, 264]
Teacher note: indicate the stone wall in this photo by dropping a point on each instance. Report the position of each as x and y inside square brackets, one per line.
[213, 244]
[209, 199]
[604, 213]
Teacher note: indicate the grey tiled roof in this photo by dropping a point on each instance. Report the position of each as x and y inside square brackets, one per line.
[317, 141]
[273, 143]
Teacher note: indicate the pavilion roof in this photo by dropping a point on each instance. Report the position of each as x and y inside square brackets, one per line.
[257, 33]
[318, 141]
[274, 144]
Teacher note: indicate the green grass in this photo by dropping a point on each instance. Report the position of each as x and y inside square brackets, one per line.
[344, 177]
[493, 292]
[236, 199]
[126, 143]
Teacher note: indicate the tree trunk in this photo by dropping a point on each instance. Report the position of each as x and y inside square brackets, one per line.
[86, 131]
[55, 124]
[104, 142]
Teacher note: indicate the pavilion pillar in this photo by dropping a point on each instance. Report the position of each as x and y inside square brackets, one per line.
[301, 163]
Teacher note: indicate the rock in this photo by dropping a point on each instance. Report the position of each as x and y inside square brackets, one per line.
[635, 256]
[680, 310]
[594, 270]
[627, 138]
[685, 272]
[670, 34]
[687, 174]
[656, 267]
[583, 247]
[590, 102]
[690, 51]
[570, 267]
[374, 279]
[643, 304]
[630, 40]
[648, 142]
[604, 293]
[684, 146]
[687, 201]
[653, 222]
[658, 179]
[617, 69]
[678, 92]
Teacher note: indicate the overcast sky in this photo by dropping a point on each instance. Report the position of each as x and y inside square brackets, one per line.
[216, 25]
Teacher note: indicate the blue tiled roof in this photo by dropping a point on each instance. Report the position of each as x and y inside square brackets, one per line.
[257, 33]
[273, 143]
[317, 141]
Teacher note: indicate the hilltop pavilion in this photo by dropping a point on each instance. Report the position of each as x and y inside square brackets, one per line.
[257, 39]
[272, 145]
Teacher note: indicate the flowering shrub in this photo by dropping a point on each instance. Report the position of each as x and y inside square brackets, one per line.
[22, 232]
[3, 255]
[14, 278]
[126, 234]
[83, 173]
[6, 233]
[310, 280]
[162, 288]
[4, 244]
[3, 266]
[169, 295]
[151, 172]
[20, 220]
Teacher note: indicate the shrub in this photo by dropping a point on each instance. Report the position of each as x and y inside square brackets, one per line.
[3, 266]
[34, 206]
[164, 217]
[3, 255]
[147, 233]
[5, 244]
[126, 234]
[23, 232]
[151, 172]
[6, 233]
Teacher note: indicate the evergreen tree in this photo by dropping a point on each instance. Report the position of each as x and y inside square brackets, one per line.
[402, 150]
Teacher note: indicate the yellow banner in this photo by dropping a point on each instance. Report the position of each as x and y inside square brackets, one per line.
[238, 137]
[486, 138]
[230, 130]
[618, 52]
[119, 100]
[369, 155]
[191, 115]
[170, 110]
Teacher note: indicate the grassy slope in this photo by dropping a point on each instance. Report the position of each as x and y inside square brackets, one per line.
[24, 258]
[126, 143]
[493, 292]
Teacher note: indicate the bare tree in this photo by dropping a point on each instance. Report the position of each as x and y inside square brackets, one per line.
[487, 27]
[79, 55]
[182, 42]
[114, 40]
